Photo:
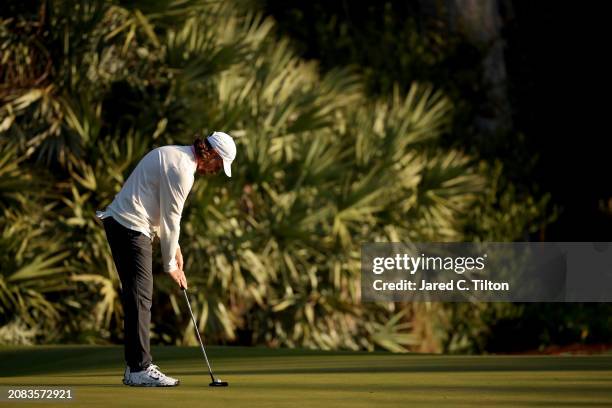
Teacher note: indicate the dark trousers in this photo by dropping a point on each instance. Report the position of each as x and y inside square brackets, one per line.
[133, 255]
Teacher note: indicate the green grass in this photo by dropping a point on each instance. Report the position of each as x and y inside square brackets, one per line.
[300, 378]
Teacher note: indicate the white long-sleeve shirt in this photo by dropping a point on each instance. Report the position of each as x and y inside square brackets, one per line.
[151, 200]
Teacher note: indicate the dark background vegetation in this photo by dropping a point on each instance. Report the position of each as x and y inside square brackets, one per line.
[556, 140]
[552, 141]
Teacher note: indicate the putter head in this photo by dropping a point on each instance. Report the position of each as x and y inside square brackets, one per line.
[218, 383]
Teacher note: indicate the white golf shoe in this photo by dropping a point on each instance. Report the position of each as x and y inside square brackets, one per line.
[126, 376]
[149, 377]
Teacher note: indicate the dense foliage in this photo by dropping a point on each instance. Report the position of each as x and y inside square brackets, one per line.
[272, 254]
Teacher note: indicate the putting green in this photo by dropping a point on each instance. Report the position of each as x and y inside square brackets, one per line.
[261, 377]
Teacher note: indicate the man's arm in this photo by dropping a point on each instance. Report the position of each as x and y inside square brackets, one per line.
[174, 188]
[178, 274]
[179, 258]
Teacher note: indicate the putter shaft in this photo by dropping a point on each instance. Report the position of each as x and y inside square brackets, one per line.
[195, 325]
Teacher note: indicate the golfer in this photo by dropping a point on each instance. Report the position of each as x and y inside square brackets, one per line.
[151, 203]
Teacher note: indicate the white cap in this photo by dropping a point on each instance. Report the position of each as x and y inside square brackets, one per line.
[225, 146]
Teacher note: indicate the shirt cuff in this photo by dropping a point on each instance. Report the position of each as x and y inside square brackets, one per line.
[171, 266]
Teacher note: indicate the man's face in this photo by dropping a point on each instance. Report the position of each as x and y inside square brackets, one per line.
[211, 164]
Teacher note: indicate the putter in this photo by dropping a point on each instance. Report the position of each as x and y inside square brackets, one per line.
[215, 381]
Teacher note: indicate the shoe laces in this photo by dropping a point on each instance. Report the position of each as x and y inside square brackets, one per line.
[155, 370]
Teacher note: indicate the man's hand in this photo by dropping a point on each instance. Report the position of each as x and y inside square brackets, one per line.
[179, 277]
[179, 258]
